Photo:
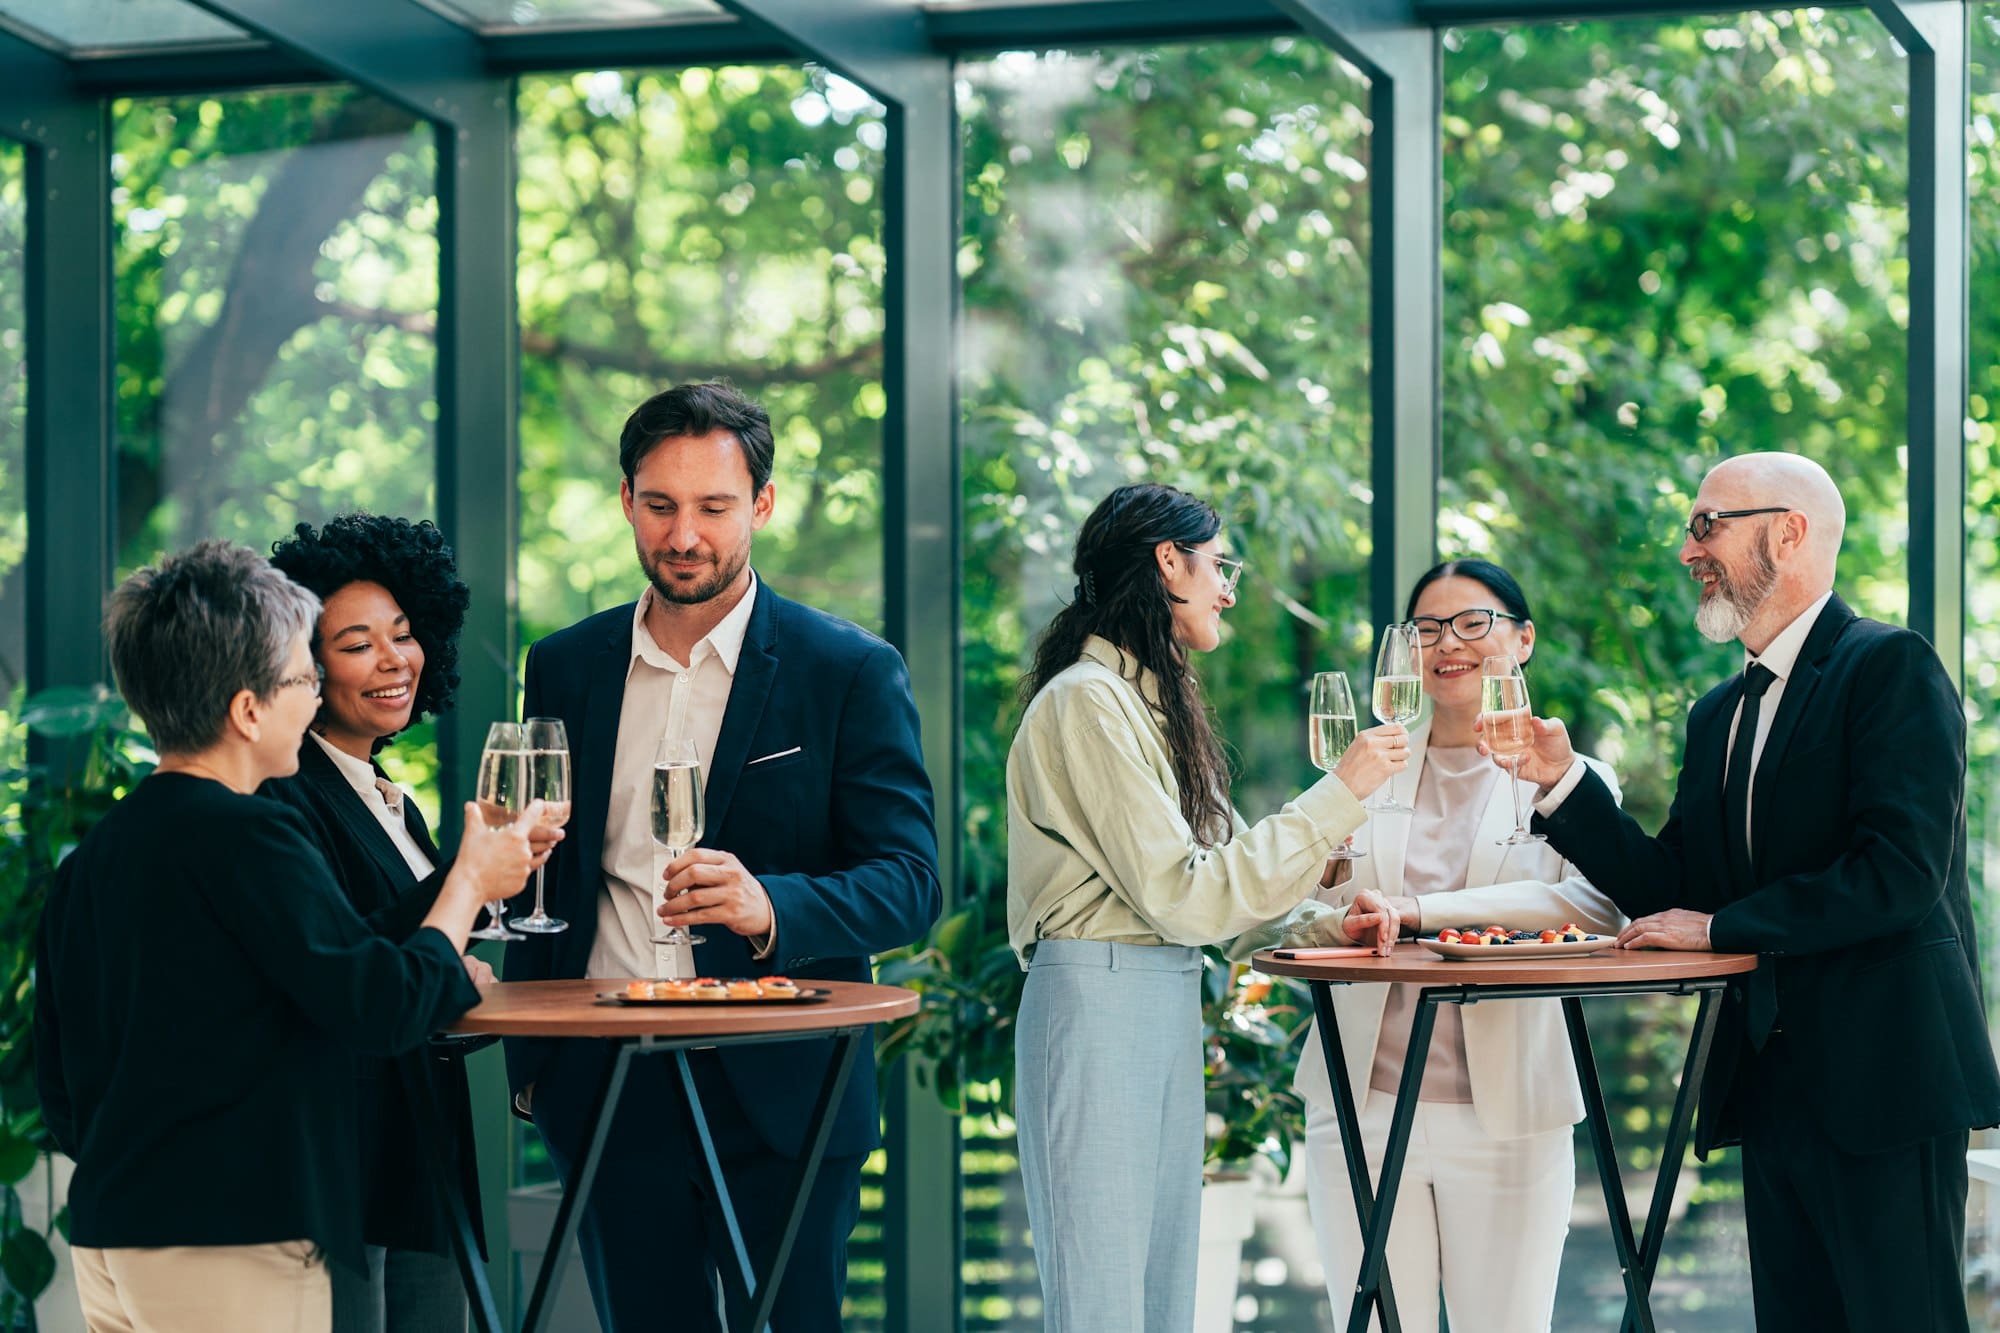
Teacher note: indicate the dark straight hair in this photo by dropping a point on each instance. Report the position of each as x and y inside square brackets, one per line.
[690, 410]
[1483, 572]
[1121, 596]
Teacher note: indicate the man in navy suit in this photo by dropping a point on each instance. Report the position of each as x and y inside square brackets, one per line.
[1819, 821]
[820, 850]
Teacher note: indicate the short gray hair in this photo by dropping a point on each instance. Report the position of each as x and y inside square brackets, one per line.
[188, 634]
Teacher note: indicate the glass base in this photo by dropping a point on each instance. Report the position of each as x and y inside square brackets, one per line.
[540, 924]
[679, 937]
[1518, 838]
[1346, 854]
[1390, 808]
[495, 932]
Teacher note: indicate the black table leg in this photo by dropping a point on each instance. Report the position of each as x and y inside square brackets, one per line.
[1638, 1308]
[1700, 1042]
[739, 1284]
[1375, 1236]
[1346, 1110]
[569, 1212]
[435, 1143]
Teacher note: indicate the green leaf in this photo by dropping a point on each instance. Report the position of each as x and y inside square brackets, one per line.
[18, 1155]
[26, 1260]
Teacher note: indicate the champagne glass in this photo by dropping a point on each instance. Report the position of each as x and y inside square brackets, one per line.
[676, 823]
[548, 782]
[1398, 695]
[1505, 722]
[501, 793]
[1329, 731]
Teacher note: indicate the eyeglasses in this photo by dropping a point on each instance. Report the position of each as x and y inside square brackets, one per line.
[1470, 625]
[1700, 525]
[314, 680]
[1230, 570]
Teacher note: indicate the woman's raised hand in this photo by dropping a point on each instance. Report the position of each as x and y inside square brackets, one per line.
[1377, 755]
[497, 861]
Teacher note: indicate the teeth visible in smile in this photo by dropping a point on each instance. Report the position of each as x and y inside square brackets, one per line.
[394, 692]
[1454, 669]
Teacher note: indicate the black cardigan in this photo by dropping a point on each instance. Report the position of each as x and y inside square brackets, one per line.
[399, 1206]
[202, 986]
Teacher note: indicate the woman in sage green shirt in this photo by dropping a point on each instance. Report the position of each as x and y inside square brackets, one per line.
[1124, 857]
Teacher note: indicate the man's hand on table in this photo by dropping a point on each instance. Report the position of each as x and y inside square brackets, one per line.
[1676, 928]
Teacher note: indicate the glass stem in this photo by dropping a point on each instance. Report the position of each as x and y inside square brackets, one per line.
[539, 914]
[1514, 785]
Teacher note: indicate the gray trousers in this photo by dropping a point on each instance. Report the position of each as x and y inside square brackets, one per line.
[406, 1291]
[1108, 1109]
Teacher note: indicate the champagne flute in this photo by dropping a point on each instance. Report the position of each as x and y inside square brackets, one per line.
[1398, 695]
[548, 782]
[1330, 730]
[676, 822]
[501, 793]
[1505, 722]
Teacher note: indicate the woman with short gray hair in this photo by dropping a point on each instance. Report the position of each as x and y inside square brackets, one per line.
[203, 983]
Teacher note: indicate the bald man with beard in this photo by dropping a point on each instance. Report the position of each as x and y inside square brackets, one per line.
[1819, 821]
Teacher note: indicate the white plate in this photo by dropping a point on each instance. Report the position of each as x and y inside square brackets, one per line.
[1503, 951]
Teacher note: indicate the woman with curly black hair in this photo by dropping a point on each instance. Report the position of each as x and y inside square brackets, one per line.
[386, 645]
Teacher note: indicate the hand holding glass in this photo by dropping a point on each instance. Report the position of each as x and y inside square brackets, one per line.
[548, 782]
[1507, 726]
[501, 793]
[676, 821]
[1330, 730]
[1398, 695]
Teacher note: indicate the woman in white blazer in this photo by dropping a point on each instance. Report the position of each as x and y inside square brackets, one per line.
[1486, 1189]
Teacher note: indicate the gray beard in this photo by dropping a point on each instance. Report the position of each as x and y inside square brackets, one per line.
[1729, 612]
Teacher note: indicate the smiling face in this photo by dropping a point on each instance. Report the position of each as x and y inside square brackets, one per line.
[373, 662]
[1451, 667]
[1193, 576]
[1734, 566]
[693, 513]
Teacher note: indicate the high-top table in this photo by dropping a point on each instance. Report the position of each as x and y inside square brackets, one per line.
[1571, 979]
[573, 1009]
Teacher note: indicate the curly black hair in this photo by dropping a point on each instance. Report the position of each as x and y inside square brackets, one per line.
[413, 561]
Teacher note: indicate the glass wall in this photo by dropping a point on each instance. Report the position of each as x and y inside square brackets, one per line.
[1165, 268]
[13, 436]
[1982, 591]
[276, 297]
[1665, 242]
[696, 224]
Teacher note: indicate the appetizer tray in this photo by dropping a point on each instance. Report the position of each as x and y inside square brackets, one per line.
[1499, 942]
[711, 990]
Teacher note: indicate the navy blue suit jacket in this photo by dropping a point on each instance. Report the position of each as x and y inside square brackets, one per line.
[818, 787]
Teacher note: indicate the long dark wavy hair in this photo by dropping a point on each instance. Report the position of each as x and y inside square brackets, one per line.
[1121, 596]
[414, 562]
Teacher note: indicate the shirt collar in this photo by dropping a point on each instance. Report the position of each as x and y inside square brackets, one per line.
[1782, 653]
[1108, 654]
[360, 774]
[725, 640]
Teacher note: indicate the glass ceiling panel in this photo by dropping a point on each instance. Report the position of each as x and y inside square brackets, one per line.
[507, 15]
[79, 25]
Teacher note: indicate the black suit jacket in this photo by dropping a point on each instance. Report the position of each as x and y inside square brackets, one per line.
[1858, 901]
[399, 1208]
[202, 984]
[817, 786]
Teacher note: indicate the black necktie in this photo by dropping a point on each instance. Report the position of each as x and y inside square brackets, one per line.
[1761, 996]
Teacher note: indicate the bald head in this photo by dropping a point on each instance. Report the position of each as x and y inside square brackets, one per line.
[1775, 557]
[1797, 483]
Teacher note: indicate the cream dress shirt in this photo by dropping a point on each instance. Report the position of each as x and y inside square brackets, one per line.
[659, 692]
[384, 800]
[1097, 847]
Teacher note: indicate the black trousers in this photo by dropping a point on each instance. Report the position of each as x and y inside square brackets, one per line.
[650, 1238]
[1843, 1242]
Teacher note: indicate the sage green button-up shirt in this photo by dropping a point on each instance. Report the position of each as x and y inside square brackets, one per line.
[1097, 847]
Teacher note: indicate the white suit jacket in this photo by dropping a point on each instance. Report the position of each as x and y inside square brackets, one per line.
[1516, 1051]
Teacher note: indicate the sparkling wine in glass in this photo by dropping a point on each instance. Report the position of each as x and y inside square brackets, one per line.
[676, 821]
[1330, 729]
[501, 793]
[548, 782]
[1507, 725]
[1398, 694]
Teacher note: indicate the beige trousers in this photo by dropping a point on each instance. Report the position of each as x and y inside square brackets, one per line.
[276, 1288]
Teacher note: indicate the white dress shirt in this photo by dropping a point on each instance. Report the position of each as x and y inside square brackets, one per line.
[659, 692]
[384, 800]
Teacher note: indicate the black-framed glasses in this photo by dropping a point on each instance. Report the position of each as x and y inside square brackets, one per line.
[1700, 525]
[315, 679]
[1470, 625]
[1230, 570]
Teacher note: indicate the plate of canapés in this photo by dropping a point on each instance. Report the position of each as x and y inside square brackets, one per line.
[716, 990]
[1500, 942]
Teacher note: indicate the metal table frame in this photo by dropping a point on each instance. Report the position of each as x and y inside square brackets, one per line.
[1637, 1259]
[750, 1286]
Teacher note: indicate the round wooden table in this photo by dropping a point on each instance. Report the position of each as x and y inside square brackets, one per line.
[1502, 976]
[575, 1009]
